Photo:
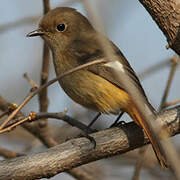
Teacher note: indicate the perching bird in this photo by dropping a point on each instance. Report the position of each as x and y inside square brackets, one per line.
[73, 42]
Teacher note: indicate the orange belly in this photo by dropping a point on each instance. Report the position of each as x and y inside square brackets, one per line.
[94, 92]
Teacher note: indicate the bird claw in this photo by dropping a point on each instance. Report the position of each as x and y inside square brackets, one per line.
[91, 139]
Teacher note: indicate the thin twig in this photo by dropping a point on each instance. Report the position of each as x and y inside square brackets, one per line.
[153, 69]
[14, 125]
[13, 114]
[31, 82]
[43, 99]
[139, 163]
[66, 118]
[44, 115]
[32, 128]
[10, 109]
[171, 103]
[32, 94]
[46, 6]
[174, 61]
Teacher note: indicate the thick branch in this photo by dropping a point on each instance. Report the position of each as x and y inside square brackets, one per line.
[79, 151]
[81, 173]
[167, 16]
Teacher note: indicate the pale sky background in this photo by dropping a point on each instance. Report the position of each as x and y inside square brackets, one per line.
[127, 24]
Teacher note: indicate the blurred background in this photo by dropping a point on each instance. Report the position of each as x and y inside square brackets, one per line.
[128, 25]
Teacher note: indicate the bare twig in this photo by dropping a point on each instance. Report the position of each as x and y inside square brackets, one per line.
[46, 6]
[33, 128]
[13, 114]
[44, 115]
[32, 94]
[10, 109]
[174, 62]
[31, 82]
[79, 151]
[139, 163]
[171, 103]
[43, 99]
[14, 125]
[153, 69]
[66, 118]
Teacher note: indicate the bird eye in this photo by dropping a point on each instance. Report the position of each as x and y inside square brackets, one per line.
[61, 27]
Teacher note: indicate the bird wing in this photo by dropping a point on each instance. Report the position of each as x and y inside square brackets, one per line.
[88, 51]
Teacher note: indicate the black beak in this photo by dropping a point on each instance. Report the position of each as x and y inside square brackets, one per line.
[35, 33]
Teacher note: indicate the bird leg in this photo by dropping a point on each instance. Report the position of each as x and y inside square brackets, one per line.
[94, 120]
[117, 122]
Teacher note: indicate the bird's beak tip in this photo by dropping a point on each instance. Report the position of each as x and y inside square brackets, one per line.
[35, 33]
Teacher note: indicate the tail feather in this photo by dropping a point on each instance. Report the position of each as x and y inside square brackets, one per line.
[135, 115]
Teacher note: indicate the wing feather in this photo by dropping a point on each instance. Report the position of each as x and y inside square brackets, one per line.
[86, 51]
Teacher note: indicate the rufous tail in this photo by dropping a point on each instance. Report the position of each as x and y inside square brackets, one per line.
[135, 115]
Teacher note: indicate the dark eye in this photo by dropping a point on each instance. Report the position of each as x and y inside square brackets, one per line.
[61, 27]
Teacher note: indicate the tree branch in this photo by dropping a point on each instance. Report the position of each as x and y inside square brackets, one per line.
[79, 151]
[80, 173]
[43, 99]
[45, 115]
[36, 91]
[167, 16]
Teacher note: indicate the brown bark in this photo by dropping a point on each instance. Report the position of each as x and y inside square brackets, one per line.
[166, 13]
[79, 151]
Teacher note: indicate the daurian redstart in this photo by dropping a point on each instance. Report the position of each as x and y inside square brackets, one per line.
[73, 42]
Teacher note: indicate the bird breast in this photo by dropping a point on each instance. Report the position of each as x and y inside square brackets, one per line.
[94, 92]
